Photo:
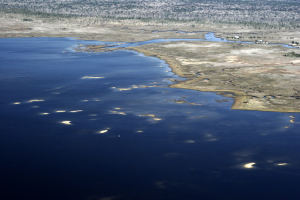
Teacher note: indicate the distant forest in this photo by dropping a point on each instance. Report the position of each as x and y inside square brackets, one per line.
[255, 13]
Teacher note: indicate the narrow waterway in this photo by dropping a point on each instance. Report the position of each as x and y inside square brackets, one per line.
[208, 37]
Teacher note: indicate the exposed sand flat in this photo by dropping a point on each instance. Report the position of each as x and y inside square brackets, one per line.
[156, 119]
[35, 100]
[189, 141]
[192, 61]
[151, 115]
[75, 111]
[295, 61]
[66, 122]
[138, 86]
[92, 77]
[117, 112]
[183, 102]
[282, 164]
[124, 89]
[44, 113]
[232, 59]
[103, 131]
[148, 115]
[249, 165]
[252, 51]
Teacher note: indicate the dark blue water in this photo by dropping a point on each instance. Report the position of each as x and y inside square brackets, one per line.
[107, 126]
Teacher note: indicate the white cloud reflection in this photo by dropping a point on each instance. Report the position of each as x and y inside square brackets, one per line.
[189, 141]
[209, 137]
[35, 100]
[75, 111]
[117, 112]
[153, 116]
[249, 165]
[282, 164]
[66, 122]
[44, 113]
[103, 131]
[292, 120]
[91, 77]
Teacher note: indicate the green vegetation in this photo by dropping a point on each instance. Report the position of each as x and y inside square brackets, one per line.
[255, 13]
[292, 54]
[27, 20]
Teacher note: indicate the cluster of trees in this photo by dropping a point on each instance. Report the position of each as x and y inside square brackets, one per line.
[292, 54]
[280, 13]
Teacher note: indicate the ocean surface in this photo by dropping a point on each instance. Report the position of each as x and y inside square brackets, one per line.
[106, 126]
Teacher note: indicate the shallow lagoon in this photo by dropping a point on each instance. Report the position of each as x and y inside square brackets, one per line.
[106, 125]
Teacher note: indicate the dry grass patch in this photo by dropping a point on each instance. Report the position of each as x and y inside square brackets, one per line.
[258, 75]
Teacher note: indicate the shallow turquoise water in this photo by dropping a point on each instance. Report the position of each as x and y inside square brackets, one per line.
[74, 126]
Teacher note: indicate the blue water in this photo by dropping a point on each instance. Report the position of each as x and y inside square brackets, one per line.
[208, 37]
[74, 126]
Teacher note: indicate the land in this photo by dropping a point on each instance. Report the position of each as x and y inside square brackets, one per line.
[260, 76]
[113, 31]
[249, 13]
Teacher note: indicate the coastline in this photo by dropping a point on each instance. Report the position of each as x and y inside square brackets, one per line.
[240, 97]
[258, 75]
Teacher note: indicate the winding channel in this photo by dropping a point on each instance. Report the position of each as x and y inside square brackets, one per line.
[210, 37]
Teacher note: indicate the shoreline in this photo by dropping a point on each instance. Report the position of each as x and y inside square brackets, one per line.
[239, 96]
[209, 66]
